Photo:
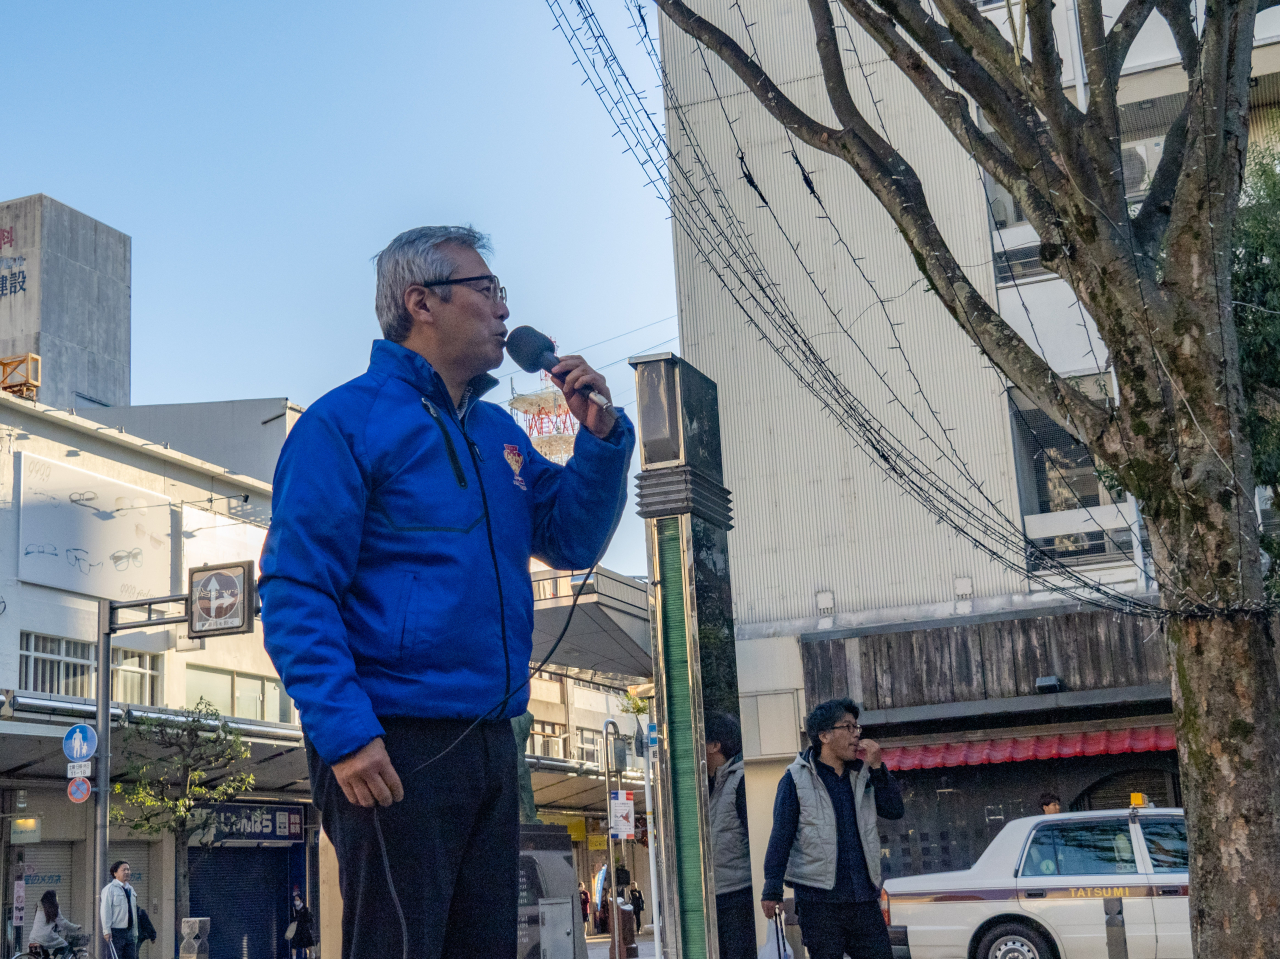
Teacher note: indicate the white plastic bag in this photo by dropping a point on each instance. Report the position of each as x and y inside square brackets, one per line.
[775, 943]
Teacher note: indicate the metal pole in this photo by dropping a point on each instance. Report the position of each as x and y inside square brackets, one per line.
[650, 814]
[611, 868]
[102, 770]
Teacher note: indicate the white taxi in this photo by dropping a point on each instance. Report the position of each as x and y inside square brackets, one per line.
[1097, 885]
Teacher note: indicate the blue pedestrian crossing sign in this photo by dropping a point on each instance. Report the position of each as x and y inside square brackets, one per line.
[80, 743]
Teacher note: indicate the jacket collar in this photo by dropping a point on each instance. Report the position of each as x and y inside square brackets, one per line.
[809, 758]
[726, 769]
[395, 360]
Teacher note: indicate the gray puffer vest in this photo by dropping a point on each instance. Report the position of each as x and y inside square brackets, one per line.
[730, 851]
[813, 854]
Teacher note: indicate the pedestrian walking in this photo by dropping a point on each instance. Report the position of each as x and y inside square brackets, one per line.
[50, 927]
[826, 840]
[730, 851]
[584, 898]
[396, 600]
[300, 921]
[119, 912]
[637, 904]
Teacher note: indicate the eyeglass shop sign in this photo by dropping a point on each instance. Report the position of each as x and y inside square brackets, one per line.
[263, 823]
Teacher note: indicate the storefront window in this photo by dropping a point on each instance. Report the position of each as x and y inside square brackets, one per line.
[213, 685]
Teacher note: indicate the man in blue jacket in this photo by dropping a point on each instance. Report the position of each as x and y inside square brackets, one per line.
[397, 602]
[826, 840]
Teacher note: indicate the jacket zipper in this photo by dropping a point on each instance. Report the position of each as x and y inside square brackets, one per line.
[458, 473]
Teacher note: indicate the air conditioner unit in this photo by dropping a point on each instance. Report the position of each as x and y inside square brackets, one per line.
[1139, 160]
[1000, 213]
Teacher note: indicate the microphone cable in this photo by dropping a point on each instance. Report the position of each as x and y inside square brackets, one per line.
[497, 708]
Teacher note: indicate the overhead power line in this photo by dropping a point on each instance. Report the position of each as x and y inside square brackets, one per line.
[705, 215]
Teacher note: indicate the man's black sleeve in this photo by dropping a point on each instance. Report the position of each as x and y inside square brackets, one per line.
[786, 819]
[740, 803]
[888, 794]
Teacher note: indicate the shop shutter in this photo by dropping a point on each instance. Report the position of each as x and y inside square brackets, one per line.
[245, 893]
[138, 855]
[48, 866]
[1114, 791]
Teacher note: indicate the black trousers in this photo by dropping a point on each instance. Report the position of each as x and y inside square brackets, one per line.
[125, 942]
[736, 924]
[831, 930]
[451, 845]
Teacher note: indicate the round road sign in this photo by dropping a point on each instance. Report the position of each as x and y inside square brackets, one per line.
[80, 743]
[78, 789]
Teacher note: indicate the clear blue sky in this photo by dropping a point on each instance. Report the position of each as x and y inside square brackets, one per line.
[260, 154]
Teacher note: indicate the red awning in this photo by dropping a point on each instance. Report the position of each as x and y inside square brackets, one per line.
[1110, 742]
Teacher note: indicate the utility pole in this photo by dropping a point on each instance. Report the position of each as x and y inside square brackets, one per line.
[102, 774]
[108, 626]
[654, 902]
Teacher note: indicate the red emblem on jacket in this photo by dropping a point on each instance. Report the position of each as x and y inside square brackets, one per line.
[515, 459]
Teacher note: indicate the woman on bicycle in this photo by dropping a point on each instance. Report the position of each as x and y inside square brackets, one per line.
[50, 926]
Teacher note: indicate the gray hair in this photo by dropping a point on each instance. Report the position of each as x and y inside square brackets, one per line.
[418, 256]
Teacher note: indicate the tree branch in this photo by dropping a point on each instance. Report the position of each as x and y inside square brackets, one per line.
[758, 82]
[824, 27]
[1177, 14]
[1124, 31]
[1152, 219]
[1065, 120]
[1008, 109]
[953, 109]
[898, 189]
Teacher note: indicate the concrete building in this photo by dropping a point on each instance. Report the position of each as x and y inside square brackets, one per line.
[245, 436]
[87, 513]
[985, 687]
[65, 295]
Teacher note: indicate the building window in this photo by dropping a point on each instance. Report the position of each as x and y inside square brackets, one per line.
[588, 745]
[60, 667]
[242, 695]
[135, 677]
[1020, 263]
[67, 667]
[546, 739]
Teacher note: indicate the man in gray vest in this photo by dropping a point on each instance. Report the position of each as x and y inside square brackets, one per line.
[730, 852]
[826, 842]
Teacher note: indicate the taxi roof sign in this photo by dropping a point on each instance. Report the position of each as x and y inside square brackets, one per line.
[222, 599]
[1139, 800]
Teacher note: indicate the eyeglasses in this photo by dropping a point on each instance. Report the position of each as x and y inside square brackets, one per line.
[852, 727]
[493, 289]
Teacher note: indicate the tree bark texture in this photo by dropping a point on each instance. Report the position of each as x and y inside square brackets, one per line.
[1156, 280]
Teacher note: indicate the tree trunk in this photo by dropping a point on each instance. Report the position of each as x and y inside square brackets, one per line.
[1228, 717]
[181, 882]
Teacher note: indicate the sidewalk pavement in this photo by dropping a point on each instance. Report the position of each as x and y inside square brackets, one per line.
[598, 946]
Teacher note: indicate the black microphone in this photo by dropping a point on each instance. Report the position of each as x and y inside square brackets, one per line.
[534, 351]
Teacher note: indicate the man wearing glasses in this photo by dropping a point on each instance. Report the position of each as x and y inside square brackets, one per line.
[397, 603]
[826, 841]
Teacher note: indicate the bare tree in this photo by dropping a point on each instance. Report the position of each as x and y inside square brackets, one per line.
[178, 771]
[1157, 282]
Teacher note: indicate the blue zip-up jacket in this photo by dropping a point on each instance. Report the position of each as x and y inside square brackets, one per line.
[379, 594]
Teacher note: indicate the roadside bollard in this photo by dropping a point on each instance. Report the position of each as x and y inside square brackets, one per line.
[195, 939]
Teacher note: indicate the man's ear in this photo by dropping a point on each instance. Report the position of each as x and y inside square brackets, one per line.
[418, 302]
